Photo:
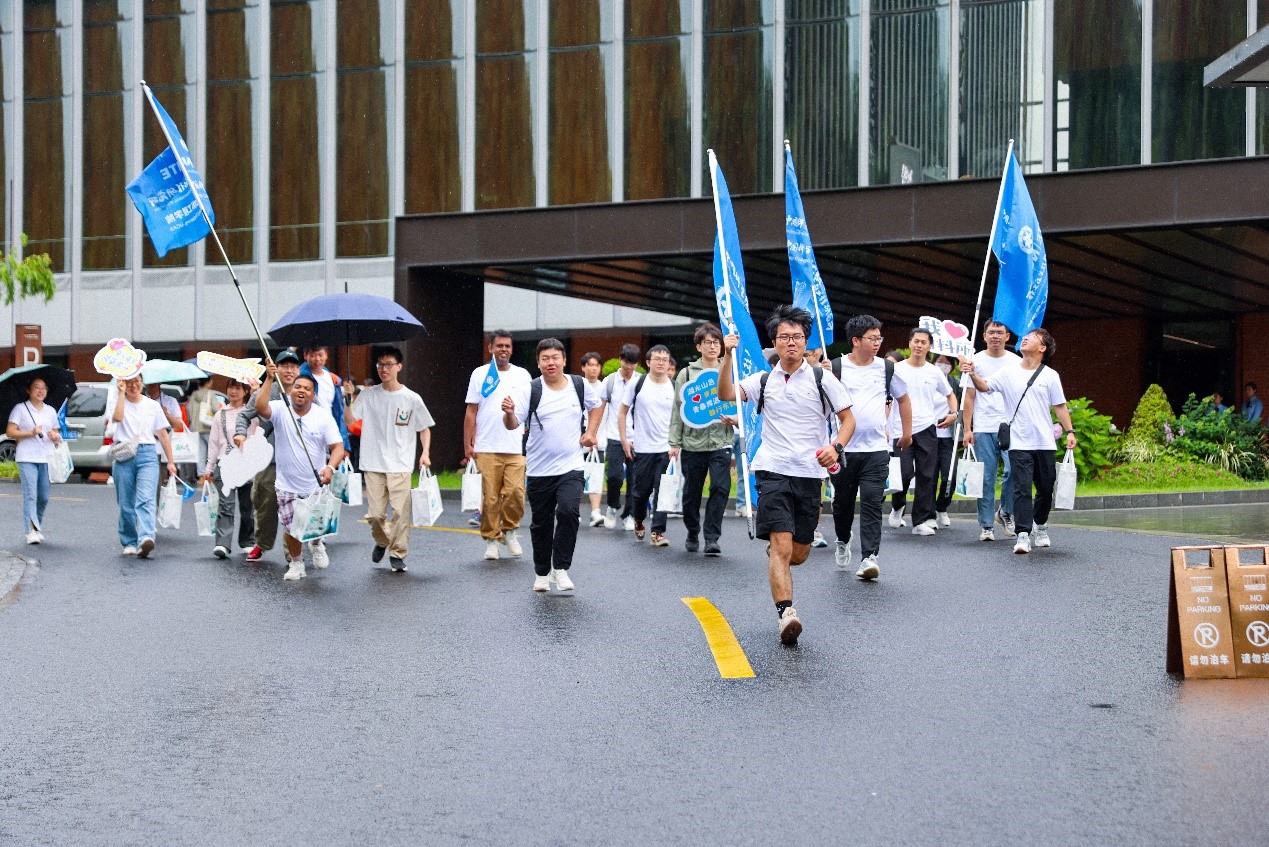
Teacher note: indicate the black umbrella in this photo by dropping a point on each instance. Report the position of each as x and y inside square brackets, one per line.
[15, 381]
[339, 319]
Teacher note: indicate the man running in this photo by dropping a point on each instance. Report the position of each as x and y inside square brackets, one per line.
[264, 498]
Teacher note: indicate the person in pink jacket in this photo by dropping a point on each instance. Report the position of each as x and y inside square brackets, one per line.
[219, 443]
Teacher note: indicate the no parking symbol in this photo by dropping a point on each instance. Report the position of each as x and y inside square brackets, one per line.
[1207, 636]
[1258, 634]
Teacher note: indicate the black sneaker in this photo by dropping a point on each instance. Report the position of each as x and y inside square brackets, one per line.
[398, 565]
[692, 544]
[712, 549]
[376, 555]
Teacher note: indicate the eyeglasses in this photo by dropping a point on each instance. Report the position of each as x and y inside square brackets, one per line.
[788, 339]
[386, 364]
[872, 339]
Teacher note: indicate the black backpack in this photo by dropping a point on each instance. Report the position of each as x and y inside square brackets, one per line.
[836, 365]
[535, 398]
[819, 384]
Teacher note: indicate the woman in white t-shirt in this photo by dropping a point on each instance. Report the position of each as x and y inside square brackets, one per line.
[140, 422]
[33, 424]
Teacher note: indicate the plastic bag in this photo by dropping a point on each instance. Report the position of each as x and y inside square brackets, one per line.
[345, 484]
[670, 492]
[894, 476]
[426, 505]
[184, 447]
[60, 464]
[472, 488]
[594, 470]
[171, 497]
[1067, 476]
[969, 475]
[205, 508]
[316, 516]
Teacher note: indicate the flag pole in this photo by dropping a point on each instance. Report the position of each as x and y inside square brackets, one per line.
[735, 360]
[819, 319]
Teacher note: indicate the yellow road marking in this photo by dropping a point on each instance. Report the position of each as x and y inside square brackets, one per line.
[436, 528]
[62, 499]
[728, 654]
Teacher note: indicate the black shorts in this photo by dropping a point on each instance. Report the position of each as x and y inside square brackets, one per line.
[788, 504]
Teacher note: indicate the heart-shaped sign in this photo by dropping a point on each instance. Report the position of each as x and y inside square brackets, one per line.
[955, 330]
[119, 358]
[240, 465]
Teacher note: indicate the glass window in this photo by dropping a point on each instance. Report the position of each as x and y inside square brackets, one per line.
[581, 57]
[737, 91]
[170, 55]
[433, 110]
[1190, 120]
[107, 136]
[365, 105]
[1097, 83]
[821, 96]
[49, 66]
[7, 153]
[232, 71]
[505, 103]
[658, 120]
[907, 122]
[1262, 95]
[1001, 85]
[297, 126]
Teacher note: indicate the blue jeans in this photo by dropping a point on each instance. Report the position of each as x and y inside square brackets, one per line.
[35, 487]
[136, 491]
[987, 449]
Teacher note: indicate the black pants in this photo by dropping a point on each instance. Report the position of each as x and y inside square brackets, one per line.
[920, 460]
[862, 477]
[947, 475]
[1038, 466]
[554, 503]
[619, 469]
[695, 465]
[648, 468]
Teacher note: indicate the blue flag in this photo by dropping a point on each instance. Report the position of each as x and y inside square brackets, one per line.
[170, 192]
[1022, 292]
[68, 434]
[490, 385]
[808, 286]
[733, 314]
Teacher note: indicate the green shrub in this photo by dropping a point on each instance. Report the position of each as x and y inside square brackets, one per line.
[1095, 442]
[1153, 410]
[1168, 475]
[8, 470]
[1224, 439]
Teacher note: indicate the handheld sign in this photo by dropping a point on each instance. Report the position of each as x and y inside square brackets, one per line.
[239, 466]
[119, 359]
[948, 337]
[701, 406]
[241, 370]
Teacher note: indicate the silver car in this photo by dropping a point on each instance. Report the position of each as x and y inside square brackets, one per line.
[87, 417]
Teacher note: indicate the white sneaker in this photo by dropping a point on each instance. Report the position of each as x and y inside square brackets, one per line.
[1041, 536]
[610, 518]
[512, 540]
[942, 519]
[868, 569]
[896, 518]
[33, 537]
[320, 559]
[790, 626]
[561, 580]
[988, 534]
[926, 528]
[220, 552]
[1023, 544]
[1006, 523]
[294, 568]
[742, 511]
[596, 517]
[818, 540]
[491, 548]
[542, 583]
[129, 551]
[628, 524]
[841, 554]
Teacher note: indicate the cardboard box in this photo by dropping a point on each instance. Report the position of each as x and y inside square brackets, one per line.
[1200, 641]
[1247, 574]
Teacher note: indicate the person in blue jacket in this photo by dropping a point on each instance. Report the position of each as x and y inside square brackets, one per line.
[330, 393]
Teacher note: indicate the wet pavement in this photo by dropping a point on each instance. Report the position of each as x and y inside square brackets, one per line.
[970, 697]
[1243, 523]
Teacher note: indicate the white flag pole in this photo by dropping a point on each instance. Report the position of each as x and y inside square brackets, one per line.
[735, 359]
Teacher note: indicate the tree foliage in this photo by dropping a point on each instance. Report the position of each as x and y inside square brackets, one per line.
[32, 276]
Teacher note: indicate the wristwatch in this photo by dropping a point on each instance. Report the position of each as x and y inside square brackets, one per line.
[1069, 432]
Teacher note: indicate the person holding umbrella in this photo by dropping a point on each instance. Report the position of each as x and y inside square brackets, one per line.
[140, 424]
[33, 425]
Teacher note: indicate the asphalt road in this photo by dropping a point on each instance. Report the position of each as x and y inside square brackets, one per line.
[969, 697]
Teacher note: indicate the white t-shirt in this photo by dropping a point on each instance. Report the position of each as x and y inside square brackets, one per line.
[989, 408]
[793, 420]
[926, 387]
[491, 435]
[390, 423]
[554, 447]
[26, 416]
[1032, 429]
[141, 420]
[866, 385]
[325, 390]
[170, 407]
[613, 393]
[651, 414]
[294, 472]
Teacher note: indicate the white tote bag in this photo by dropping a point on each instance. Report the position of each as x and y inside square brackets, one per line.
[670, 492]
[969, 475]
[426, 505]
[894, 476]
[472, 492]
[60, 464]
[185, 447]
[345, 484]
[594, 470]
[205, 508]
[1064, 490]
[316, 516]
[170, 500]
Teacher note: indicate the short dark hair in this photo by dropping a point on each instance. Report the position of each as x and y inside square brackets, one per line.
[551, 344]
[377, 353]
[659, 348]
[789, 315]
[309, 377]
[916, 329]
[629, 353]
[1252, 386]
[1049, 342]
[499, 333]
[315, 348]
[706, 330]
[990, 322]
[591, 356]
[893, 356]
[858, 325]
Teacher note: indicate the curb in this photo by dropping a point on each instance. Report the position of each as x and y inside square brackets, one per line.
[12, 568]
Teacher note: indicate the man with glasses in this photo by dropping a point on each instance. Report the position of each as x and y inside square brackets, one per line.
[794, 398]
[702, 450]
[987, 412]
[649, 402]
[873, 386]
[390, 415]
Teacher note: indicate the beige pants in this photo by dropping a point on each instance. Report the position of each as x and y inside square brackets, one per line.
[383, 490]
[502, 490]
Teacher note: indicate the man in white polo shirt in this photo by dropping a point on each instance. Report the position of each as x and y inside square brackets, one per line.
[794, 399]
